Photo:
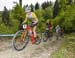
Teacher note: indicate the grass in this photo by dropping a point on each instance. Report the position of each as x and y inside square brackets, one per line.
[67, 50]
[9, 29]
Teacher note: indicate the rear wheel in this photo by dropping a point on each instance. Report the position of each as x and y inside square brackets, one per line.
[38, 38]
[20, 40]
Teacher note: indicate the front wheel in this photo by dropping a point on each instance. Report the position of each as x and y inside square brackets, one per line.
[20, 40]
[47, 35]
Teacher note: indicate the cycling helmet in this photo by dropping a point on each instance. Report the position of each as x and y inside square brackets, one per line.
[28, 9]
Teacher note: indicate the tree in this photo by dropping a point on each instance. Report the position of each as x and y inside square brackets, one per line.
[63, 4]
[69, 22]
[46, 4]
[24, 7]
[20, 1]
[5, 16]
[50, 4]
[32, 7]
[70, 2]
[56, 9]
[36, 6]
[48, 12]
[66, 19]
[18, 13]
[43, 5]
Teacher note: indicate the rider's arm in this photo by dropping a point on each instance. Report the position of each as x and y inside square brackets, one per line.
[25, 20]
[35, 16]
[52, 25]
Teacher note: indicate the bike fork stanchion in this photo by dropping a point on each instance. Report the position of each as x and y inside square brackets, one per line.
[43, 36]
[32, 38]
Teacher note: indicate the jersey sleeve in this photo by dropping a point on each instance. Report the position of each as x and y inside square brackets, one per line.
[34, 15]
[26, 16]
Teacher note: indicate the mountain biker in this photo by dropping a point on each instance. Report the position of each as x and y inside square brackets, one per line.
[49, 25]
[31, 16]
[58, 28]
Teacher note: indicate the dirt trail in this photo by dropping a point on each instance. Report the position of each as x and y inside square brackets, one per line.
[44, 50]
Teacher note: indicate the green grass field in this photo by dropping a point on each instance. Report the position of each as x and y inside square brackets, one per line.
[67, 50]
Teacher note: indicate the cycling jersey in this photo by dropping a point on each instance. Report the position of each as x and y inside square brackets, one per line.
[49, 25]
[58, 28]
[31, 16]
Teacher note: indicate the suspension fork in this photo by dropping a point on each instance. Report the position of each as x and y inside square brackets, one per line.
[32, 35]
[23, 35]
[29, 29]
[33, 38]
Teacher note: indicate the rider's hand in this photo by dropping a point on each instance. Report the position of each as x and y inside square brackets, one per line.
[23, 23]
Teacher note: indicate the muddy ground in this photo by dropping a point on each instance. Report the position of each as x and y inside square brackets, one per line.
[43, 50]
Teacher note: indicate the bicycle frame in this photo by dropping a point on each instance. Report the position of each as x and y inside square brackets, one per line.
[29, 30]
[21, 38]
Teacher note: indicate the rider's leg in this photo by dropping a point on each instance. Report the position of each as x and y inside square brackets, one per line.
[23, 36]
[33, 35]
[34, 31]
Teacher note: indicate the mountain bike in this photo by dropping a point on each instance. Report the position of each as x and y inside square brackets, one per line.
[59, 34]
[47, 34]
[22, 37]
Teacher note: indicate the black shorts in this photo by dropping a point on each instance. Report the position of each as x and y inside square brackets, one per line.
[34, 24]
